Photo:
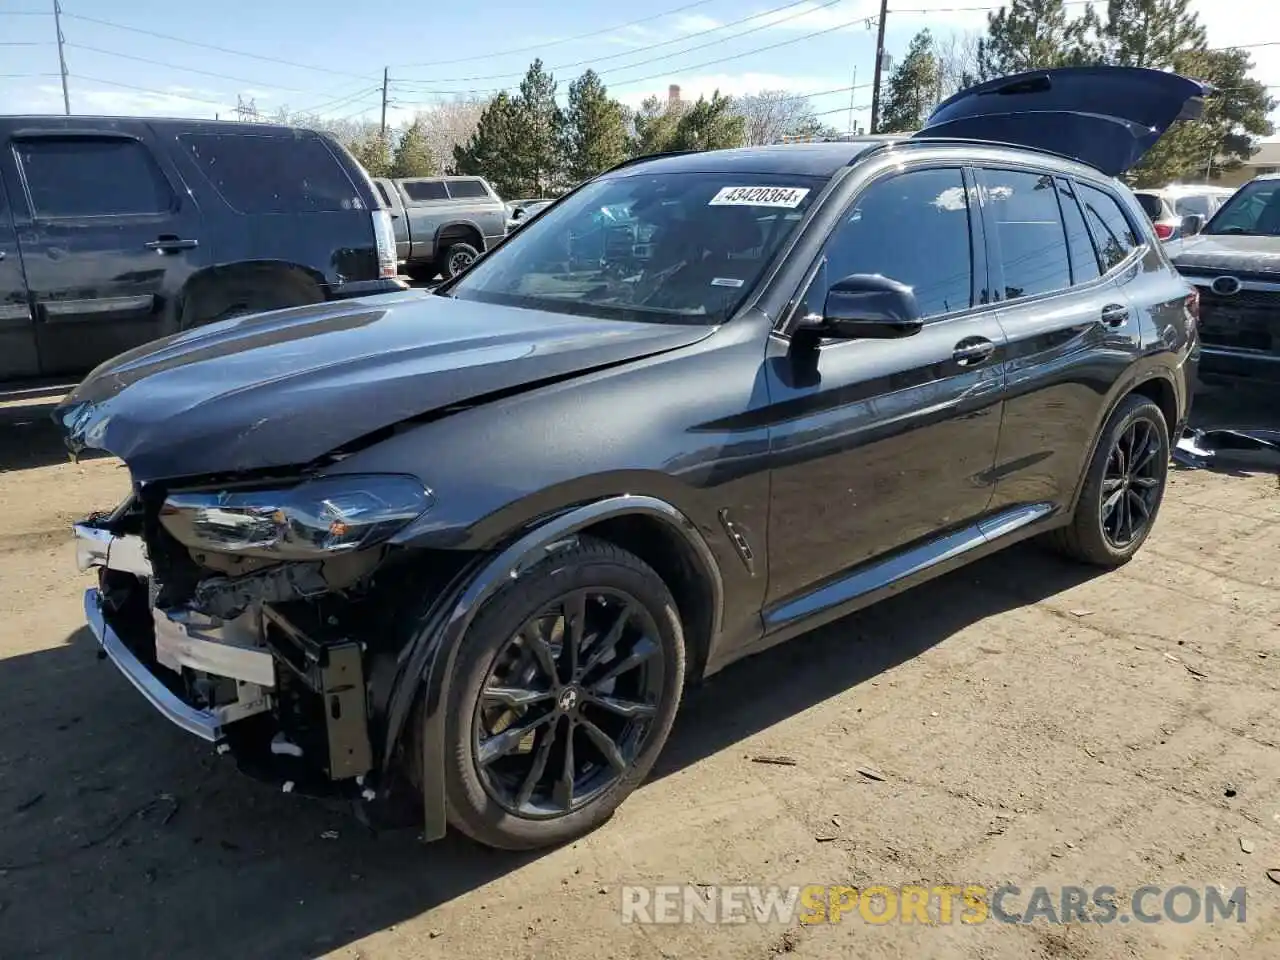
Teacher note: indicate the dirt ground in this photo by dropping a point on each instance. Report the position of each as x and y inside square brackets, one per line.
[1033, 722]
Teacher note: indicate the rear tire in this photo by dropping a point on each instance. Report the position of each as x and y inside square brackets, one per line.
[458, 257]
[515, 674]
[1128, 473]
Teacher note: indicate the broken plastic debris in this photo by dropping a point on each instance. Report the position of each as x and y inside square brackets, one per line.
[369, 795]
[223, 748]
[329, 835]
[1198, 448]
[283, 746]
[287, 787]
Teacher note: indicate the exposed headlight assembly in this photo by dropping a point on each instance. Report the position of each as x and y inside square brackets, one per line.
[316, 519]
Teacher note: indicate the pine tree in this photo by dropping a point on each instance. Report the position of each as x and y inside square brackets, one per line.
[539, 122]
[412, 156]
[709, 125]
[493, 149]
[1034, 34]
[1150, 33]
[913, 88]
[655, 125]
[595, 129]
[373, 152]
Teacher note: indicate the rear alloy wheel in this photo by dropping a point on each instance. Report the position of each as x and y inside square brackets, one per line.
[564, 694]
[458, 257]
[1123, 488]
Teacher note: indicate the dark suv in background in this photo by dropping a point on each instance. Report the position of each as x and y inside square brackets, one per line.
[469, 547]
[114, 232]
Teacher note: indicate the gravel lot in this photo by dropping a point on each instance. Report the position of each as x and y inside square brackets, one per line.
[1033, 721]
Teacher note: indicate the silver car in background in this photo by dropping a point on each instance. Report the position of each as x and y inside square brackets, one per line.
[1167, 206]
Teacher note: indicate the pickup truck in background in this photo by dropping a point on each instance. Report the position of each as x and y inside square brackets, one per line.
[442, 224]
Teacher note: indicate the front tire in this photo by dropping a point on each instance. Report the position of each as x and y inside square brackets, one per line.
[1123, 488]
[563, 695]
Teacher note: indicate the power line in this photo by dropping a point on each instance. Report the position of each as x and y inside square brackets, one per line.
[210, 46]
[26, 43]
[162, 93]
[28, 76]
[338, 102]
[556, 43]
[174, 66]
[809, 8]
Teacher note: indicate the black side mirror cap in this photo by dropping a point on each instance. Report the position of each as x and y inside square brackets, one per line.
[1192, 224]
[865, 306]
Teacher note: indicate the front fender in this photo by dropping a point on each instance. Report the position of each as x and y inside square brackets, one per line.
[429, 659]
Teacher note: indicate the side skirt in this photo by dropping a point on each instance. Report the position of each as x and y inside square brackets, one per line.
[870, 583]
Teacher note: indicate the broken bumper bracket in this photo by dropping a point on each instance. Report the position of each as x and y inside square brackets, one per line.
[201, 723]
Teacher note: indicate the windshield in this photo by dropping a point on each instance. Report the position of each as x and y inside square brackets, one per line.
[675, 247]
[1253, 210]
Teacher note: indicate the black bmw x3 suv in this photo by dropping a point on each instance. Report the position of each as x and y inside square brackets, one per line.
[469, 547]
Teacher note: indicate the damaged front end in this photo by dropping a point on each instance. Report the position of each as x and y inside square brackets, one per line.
[266, 619]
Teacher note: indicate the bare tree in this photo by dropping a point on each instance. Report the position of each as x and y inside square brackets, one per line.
[449, 123]
[957, 56]
[771, 114]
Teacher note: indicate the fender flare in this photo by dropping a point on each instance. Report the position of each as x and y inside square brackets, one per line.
[468, 224]
[433, 650]
[1124, 388]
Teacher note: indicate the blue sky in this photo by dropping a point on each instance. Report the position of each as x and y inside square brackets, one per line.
[330, 54]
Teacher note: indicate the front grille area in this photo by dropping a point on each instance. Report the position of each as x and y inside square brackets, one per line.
[1249, 320]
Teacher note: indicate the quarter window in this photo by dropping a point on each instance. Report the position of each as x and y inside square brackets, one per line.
[1111, 228]
[269, 173]
[419, 190]
[1084, 258]
[92, 178]
[913, 228]
[460, 189]
[1028, 224]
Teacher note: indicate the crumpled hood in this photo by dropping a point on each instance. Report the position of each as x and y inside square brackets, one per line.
[283, 388]
[1228, 253]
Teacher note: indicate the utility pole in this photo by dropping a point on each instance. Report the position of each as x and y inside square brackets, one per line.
[853, 92]
[62, 57]
[875, 87]
[384, 100]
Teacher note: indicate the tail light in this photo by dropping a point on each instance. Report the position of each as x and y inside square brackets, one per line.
[1192, 304]
[1164, 231]
[385, 239]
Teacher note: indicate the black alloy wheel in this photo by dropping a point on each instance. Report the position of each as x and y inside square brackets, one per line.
[562, 695]
[1132, 483]
[568, 702]
[1122, 489]
[458, 257]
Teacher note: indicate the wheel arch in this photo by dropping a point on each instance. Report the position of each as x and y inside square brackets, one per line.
[454, 231]
[1156, 384]
[645, 525]
[203, 284]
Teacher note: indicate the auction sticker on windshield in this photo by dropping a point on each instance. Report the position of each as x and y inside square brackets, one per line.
[788, 197]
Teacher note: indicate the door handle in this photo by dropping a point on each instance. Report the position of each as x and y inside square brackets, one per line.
[168, 244]
[1114, 314]
[972, 351]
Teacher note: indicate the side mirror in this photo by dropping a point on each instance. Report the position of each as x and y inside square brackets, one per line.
[1192, 224]
[866, 306]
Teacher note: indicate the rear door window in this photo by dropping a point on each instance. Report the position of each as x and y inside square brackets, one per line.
[913, 228]
[1111, 229]
[273, 173]
[1023, 208]
[420, 190]
[92, 178]
[460, 189]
